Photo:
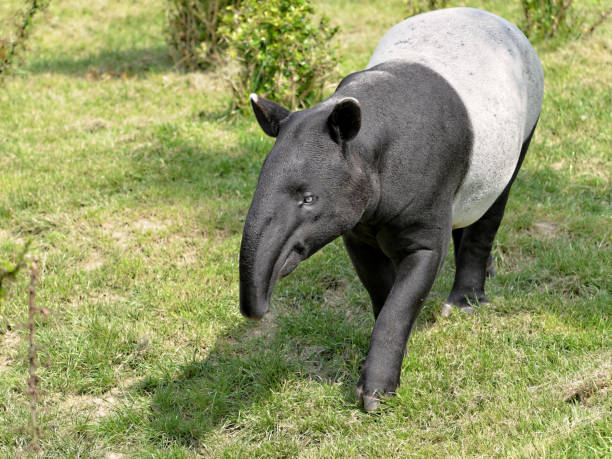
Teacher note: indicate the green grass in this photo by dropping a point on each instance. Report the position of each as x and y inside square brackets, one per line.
[133, 189]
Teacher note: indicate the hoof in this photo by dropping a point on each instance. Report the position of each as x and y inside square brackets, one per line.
[370, 402]
[447, 308]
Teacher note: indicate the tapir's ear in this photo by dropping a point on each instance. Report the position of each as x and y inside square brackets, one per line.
[345, 120]
[268, 114]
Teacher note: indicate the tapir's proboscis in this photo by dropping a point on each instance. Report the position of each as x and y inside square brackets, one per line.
[421, 146]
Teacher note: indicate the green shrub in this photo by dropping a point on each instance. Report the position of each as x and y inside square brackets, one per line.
[12, 46]
[283, 53]
[193, 30]
[559, 19]
[542, 19]
[546, 18]
[415, 7]
[8, 269]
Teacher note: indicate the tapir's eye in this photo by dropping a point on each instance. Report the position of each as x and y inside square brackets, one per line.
[308, 199]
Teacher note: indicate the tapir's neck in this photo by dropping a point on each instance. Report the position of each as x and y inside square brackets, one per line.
[374, 195]
[368, 149]
[412, 124]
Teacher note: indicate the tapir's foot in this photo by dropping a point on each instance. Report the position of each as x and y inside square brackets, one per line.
[447, 308]
[369, 394]
[371, 400]
[464, 302]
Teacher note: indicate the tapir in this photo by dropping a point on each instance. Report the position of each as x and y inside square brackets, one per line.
[420, 147]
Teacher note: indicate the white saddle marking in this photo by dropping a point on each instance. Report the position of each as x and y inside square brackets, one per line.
[497, 75]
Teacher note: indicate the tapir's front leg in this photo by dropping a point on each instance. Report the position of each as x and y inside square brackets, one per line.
[416, 272]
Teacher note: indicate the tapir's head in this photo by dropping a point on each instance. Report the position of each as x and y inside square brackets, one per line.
[312, 188]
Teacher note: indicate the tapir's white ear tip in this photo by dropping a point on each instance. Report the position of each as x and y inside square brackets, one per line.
[253, 97]
[349, 99]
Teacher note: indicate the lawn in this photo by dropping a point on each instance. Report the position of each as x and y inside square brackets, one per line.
[133, 185]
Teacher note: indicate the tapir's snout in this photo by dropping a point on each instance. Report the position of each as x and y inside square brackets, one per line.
[251, 308]
[265, 256]
[262, 263]
[255, 288]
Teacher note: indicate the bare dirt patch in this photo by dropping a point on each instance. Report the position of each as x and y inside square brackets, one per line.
[583, 390]
[6, 235]
[205, 81]
[94, 262]
[97, 406]
[145, 224]
[335, 293]
[92, 125]
[118, 232]
[547, 230]
[591, 167]
[187, 258]
[264, 327]
[10, 342]
[124, 232]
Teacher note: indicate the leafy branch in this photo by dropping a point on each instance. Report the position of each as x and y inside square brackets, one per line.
[8, 270]
[10, 49]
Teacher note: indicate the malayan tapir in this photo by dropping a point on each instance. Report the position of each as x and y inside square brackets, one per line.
[422, 145]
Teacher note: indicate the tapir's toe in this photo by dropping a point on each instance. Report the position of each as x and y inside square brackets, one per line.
[370, 402]
[447, 308]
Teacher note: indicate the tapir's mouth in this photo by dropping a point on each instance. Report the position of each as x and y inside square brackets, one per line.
[280, 269]
[293, 259]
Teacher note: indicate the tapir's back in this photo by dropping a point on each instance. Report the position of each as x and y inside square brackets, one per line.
[497, 75]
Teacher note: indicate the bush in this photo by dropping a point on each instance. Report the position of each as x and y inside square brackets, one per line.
[11, 47]
[193, 30]
[9, 270]
[542, 19]
[282, 52]
[545, 18]
[415, 7]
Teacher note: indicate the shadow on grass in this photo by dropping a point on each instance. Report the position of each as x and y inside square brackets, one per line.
[254, 366]
[108, 63]
[306, 338]
[251, 363]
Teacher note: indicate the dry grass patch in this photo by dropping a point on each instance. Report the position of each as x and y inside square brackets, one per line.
[597, 383]
[98, 406]
[91, 125]
[545, 230]
[9, 343]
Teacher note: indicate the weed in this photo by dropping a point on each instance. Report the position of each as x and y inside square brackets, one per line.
[11, 47]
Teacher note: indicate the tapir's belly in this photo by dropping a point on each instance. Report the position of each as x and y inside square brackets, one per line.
[497, 75]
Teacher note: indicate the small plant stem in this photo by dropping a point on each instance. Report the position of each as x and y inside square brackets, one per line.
[602, 17]
[33, 379]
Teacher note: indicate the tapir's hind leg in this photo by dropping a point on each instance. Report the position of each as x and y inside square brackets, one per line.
[457, 233]
[473, 245]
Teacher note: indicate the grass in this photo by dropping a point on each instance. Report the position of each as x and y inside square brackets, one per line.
[133, 188]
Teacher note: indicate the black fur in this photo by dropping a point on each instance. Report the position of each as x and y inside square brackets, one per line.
[379, 164]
